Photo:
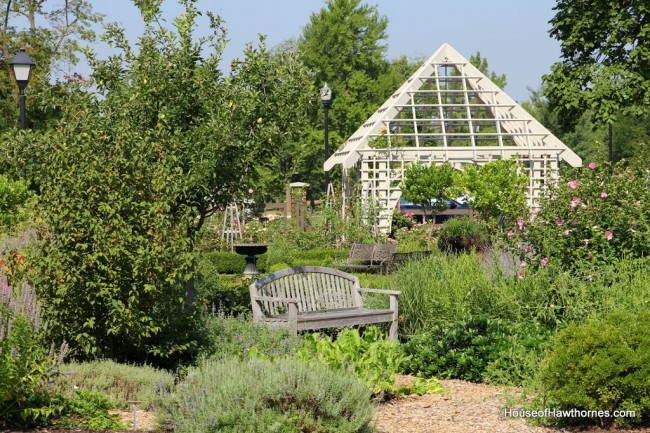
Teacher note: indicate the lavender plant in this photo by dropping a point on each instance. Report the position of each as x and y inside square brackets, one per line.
[25, 362]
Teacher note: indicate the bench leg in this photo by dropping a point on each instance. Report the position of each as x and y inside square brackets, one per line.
[293, 318]
[392, 332]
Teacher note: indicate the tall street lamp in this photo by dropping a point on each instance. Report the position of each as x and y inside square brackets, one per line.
[22, 65]
[326, 97]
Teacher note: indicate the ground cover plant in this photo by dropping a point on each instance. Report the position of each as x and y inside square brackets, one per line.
[117, 383]
[478, 349]
[267, 395]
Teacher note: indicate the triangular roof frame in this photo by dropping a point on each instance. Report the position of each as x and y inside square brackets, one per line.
[510, 124]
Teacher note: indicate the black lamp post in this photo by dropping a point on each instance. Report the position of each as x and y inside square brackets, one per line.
[22, 65]
[326, 97]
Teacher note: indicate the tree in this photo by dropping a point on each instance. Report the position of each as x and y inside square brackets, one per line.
[481, 63]
[604, 65]
[53, 47]
[132, 174]
[496, 189]
[431, 187]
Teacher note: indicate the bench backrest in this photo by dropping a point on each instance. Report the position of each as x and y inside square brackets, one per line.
[361, 252]
[372, 253]
[316, 288]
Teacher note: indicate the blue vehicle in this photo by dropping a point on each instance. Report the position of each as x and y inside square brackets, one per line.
[406, 207]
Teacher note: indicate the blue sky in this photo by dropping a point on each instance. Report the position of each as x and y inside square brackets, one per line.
[511, 34]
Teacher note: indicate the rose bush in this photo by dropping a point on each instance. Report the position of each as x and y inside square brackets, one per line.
[599, 214]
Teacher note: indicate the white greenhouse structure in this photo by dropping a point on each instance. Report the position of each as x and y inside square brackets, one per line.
[447, 111]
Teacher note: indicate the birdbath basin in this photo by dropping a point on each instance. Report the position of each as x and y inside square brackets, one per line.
[251, 251]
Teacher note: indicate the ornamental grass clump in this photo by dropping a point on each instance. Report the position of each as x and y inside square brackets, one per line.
[26, 361]
[284, 395]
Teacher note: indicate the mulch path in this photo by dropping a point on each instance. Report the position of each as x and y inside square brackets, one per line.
[465, 408]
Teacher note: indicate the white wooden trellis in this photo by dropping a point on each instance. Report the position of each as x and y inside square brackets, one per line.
[447, 111]
[231, 229]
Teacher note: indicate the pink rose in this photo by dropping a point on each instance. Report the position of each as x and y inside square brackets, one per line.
[609, 235]
[575, 202]
[592, 166]
[520, 275]
[573, 184]
[559, 222]
[544, 261]
[520, 224]
[522, 264]
[603, 194]
[510, 234]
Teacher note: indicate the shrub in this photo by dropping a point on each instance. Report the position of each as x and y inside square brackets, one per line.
[25, 364]
[262, 395]
[462, 235]
[477, 349]
[603, 364]
[228, 336]
[118, 383]
[226, 262]
[599, 214]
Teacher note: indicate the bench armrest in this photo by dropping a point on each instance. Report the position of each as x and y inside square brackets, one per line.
[275, 299]
[385, 292]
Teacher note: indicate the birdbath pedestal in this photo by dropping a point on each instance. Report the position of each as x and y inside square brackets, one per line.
[251, 251]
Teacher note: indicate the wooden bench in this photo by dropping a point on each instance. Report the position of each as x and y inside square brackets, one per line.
[369, 257]
[314, 297]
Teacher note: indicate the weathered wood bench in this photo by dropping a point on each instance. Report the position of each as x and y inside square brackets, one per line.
[369, 257]
[314, 297]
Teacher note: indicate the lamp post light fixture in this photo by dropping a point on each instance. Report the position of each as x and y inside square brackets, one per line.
[326, 98]
[22, 65]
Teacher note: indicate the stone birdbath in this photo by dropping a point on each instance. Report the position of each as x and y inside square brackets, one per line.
[251, 251]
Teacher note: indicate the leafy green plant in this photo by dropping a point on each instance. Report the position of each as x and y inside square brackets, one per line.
[88, 410]
[462, 235]
[602, 364]
[478, 349]
[13, 197]
[283, 395]
[375, 360]
[25, 363]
